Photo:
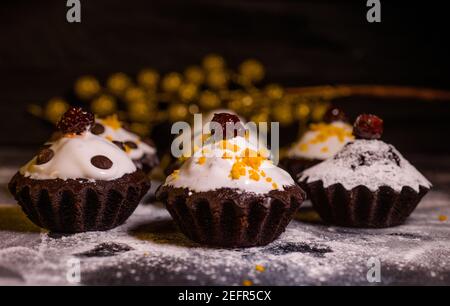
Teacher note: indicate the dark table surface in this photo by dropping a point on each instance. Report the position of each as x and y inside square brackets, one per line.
[148, 249]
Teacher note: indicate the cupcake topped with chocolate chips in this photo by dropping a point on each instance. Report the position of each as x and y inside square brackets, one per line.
[368, 183]
[320, 142]
[141, 151]
[79, 181]
[240, 191]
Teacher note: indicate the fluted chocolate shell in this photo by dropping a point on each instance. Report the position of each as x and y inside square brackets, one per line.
[71, 206]
[228, 217]
[361, 207]
[295, 165]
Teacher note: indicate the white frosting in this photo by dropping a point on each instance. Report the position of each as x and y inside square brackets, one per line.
[207, 170]
[121, 134]
[198, 132]
[72, 160]
[370, 163]
[253, 133]
[309, 147]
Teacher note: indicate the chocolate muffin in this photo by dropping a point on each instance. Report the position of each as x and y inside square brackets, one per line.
[229, 194]
[141, 151]
[320, 142]
[80, 181]
[367, 184]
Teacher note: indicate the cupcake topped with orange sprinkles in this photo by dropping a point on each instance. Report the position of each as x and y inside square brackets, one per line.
[322, 141]
[229, 193]
[232, 162]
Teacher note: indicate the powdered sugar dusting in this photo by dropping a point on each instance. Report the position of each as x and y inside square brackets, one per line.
[371, 163]
[308, 253]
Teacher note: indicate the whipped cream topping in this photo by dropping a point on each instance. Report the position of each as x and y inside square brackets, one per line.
[371, 163]
[72, 160]
[234, 163]
[115, 132]
[322, 141]
[199, 136]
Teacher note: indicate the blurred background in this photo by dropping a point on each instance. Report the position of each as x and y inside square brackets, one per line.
[292, 44]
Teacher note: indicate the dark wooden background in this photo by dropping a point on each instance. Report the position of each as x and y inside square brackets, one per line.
[300, 42]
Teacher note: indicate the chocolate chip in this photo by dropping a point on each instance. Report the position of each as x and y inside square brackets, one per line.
[98, 129]
[101, 162]
[44, 156]
[131, 144]
[119, 144]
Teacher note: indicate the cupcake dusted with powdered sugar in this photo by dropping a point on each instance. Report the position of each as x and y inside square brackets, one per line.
[367, 184]
[230, 194]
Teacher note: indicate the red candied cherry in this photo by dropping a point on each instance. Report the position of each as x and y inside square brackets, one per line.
[75, 121]
[232, 120]
[334, 114]
[368, 126]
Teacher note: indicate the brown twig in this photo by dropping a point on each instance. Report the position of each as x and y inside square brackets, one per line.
[380, 91]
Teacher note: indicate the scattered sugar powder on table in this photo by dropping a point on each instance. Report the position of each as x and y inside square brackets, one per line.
[149, 249]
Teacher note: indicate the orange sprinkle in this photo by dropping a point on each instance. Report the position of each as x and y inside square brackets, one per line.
[226, 155]
[127, 149]
[253, 162]
[303, 147]
[443, 218]
[260, 268]
[183, 157]
[324, 150]
[264, 153]
[175, 173]
[225, 145]
[253, 175]
[250, 153]
[113, 122]
[269, 179]
[325, 131]
[247, 282]
[237, 170]
[201, 160]
[263, 174]
[274, 185]
[205, 137]
[70, 135]
[109, 137]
